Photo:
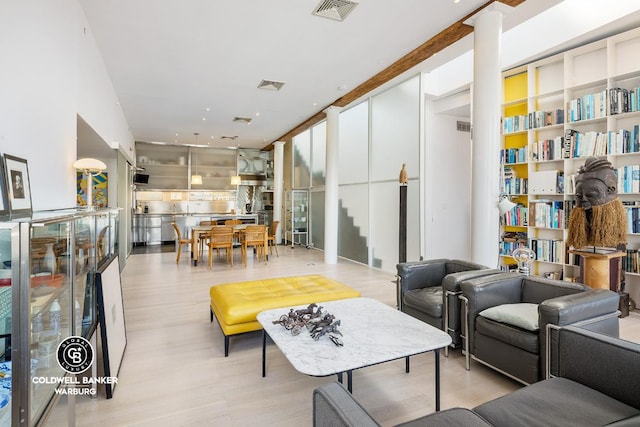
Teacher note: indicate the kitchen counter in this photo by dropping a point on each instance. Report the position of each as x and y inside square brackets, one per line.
[154, 228]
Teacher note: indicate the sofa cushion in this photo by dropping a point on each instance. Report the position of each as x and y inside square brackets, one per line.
[523, 315]
[554, 402]
[427, 300]
[509, 334]
[454, 417]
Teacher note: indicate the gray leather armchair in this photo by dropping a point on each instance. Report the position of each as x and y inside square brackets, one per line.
[428, 290]
[506, 317]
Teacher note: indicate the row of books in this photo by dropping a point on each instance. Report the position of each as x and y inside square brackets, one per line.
[518, 217]
[547, 213]
[516, 186]
[584, 144]
[633, 219]
[624, 100]
[624, 141]
[533, 120]
[628, 179]
[631, 261]
[506, 248]
[587, 107]
[548, 250]
[514, 155]
[547, 149]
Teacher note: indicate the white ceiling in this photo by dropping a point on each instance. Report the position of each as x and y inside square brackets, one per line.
[171, 60]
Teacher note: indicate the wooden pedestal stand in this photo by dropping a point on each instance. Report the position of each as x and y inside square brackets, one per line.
[600, 271]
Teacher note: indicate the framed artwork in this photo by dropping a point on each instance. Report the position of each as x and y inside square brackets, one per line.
[16, 175]
[113, 334]
[4, 201]
[99, 190]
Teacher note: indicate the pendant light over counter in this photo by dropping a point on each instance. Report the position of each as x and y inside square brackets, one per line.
[195, 178]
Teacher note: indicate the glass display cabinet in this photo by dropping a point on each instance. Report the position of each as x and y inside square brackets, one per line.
[297, 217]
[47, 293]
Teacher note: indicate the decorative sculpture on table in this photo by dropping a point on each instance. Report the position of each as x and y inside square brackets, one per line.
[599, 218]
[317, 322]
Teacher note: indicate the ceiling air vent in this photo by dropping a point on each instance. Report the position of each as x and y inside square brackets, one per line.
[334, 9]
[463, 126]
[270, 85]
[246, 120]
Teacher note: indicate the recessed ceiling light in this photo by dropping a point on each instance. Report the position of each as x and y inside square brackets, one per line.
[204, 118]
[208, 109]
[342, 87]
[257, 114]
[314, 104]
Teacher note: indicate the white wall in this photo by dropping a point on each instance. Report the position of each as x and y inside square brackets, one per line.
[447, 186]
[51, 72]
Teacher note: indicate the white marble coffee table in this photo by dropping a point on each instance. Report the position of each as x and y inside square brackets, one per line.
[372, 333]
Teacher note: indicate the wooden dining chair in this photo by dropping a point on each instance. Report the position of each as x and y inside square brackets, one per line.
[180, 241]
[254, 236]
[221, 237]
[204, 237]
[271, 237]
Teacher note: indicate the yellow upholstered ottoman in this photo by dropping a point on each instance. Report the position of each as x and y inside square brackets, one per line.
[236, 305]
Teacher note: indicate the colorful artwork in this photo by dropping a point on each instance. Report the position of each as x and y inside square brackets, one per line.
[98, 192]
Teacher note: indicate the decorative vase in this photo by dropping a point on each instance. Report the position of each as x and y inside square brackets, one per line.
[50, 259]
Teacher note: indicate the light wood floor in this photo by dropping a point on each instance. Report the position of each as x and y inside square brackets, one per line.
[174, 372]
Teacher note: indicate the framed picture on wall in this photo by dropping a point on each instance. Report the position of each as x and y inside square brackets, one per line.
[16, 174]
[4, 202]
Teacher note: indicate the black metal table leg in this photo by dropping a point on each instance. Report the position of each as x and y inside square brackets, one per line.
[350, 381]
[437, 356]
[340, 377]
[406, 363]
[264, 353]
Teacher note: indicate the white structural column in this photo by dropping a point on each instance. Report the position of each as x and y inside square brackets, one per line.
[331, 187]
[278, 179]
[485, 163]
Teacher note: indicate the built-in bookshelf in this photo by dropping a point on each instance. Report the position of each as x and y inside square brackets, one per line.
[557, 112]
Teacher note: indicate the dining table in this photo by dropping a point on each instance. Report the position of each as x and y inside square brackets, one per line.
[197, 231]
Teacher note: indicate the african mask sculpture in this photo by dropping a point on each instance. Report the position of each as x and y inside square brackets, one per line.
[599, 218]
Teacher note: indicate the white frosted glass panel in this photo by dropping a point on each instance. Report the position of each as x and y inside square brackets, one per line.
[319, 156]
[353, 222]
[317, 219]
[385, 208]
[354, 145]
[395, 131]
[301, 159]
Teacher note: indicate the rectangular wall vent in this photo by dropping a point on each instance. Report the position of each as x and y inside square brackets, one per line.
[270, 85]
[463, 126]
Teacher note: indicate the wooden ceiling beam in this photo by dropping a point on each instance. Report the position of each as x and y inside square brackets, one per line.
[440, 41]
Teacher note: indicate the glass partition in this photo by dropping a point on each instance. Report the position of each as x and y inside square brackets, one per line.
[302, 160]
[319, 154]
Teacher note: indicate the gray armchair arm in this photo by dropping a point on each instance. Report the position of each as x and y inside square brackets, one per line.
[596, 309]
[484, 292]
[451, 303]
[333, 406]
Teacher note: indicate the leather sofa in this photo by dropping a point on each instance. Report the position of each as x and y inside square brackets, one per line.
[506, 317]
[428, 290]
[597, 384]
